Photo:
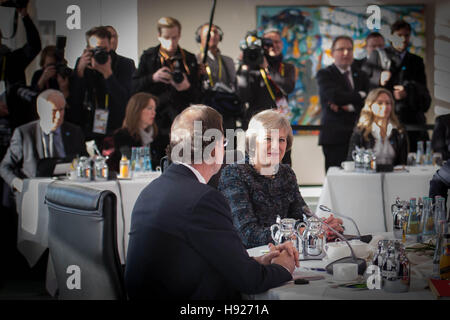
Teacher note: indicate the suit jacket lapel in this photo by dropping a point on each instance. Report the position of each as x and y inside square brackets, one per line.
[355, 77]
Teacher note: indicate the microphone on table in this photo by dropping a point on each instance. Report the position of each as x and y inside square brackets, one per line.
[365, 238]
[362, 265]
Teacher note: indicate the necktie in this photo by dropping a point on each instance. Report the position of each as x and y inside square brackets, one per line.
[50, 145]
[347, 80]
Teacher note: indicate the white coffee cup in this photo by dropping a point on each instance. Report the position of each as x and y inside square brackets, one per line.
[348, 165]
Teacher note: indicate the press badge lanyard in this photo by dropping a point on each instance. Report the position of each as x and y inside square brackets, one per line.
[208, 71]
[264, 76]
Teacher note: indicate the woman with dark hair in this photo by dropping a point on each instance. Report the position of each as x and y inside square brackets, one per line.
[379, 129]
[138, 130]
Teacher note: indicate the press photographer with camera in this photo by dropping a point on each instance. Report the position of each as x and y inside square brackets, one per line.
[264, 79]
[101, 87]
[54, 72]
[168, 72]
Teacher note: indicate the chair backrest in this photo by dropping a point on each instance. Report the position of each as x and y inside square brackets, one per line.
[83, 242]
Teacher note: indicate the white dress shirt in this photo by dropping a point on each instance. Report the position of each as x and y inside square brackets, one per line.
[384, 151]
[195, 171]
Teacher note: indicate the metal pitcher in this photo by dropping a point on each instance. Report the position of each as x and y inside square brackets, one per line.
[399, 212]
[286, 230]
[312, 237]
[357, 156]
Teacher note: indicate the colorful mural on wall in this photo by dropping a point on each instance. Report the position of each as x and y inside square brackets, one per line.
[308, 32]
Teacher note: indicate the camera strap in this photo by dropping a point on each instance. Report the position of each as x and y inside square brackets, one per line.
[264, 76]
[165, 57]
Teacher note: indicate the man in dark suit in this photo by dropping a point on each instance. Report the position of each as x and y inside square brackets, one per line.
[342, 90]
[183, 244]
[48, 137]
[408, 82]
[102, 86]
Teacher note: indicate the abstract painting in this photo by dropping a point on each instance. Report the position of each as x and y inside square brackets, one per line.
[307, 34]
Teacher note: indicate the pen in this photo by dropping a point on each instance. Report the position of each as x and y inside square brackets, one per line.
[316, 269]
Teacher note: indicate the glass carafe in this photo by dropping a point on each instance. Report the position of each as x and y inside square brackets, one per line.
[427, 225]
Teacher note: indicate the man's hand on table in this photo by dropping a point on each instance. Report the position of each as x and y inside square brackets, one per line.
[283, 254]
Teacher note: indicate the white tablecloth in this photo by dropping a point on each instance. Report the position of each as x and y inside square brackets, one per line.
[324, 289]
[33, 213]
[359, 195]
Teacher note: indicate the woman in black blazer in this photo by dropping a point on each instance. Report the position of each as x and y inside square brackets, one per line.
[138, 130]
[379, 129]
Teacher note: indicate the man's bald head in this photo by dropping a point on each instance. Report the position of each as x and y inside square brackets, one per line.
[193, 130]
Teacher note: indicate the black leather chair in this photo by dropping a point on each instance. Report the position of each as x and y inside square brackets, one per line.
[83, 238]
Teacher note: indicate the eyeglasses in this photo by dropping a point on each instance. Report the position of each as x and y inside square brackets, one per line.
[225, 142]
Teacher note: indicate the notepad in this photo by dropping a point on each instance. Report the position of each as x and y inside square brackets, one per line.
[440, 288]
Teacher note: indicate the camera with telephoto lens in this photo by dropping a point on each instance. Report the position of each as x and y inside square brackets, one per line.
[176, 62]
[60, 62]
[254, 48]
[100, 55]
[14, 3]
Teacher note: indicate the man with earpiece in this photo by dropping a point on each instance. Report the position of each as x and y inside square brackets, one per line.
[218, 71]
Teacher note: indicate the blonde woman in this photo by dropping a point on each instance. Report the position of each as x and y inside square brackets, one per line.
[262, 188]
[379, 129]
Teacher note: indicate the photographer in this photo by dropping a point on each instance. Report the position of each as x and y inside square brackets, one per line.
[54, 73]
[168, 72]
[264, 80]
[102, 86]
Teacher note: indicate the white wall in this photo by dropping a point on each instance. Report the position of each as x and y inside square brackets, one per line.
[120, 14]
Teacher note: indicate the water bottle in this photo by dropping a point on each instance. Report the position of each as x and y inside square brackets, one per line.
[133, 159]
[428, 154]
[420, 153]
[137, 160]
[440, 216]
[412, 229]
[124, 167]
[427, 220]
[147, 159]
